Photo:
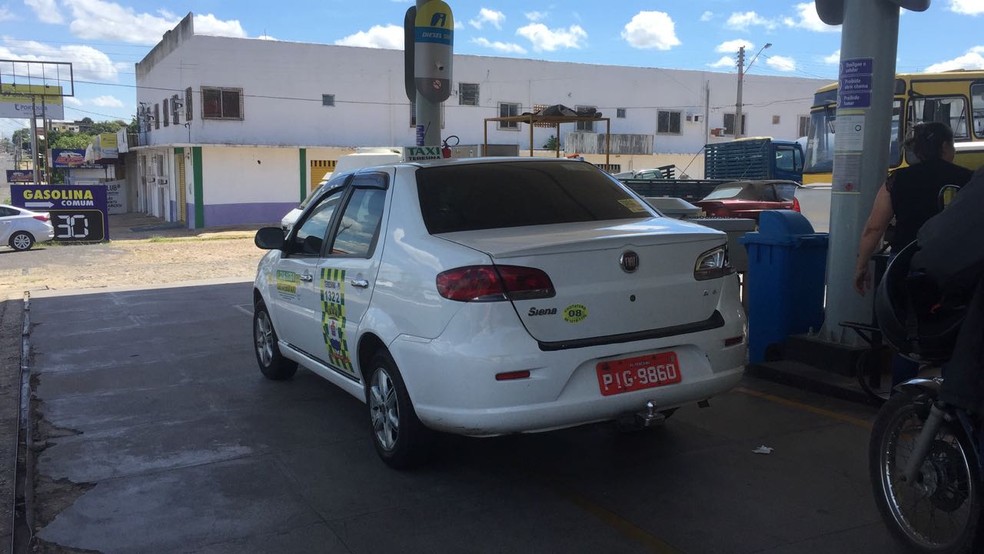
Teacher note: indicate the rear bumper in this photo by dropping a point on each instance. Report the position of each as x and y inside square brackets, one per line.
[453, 387]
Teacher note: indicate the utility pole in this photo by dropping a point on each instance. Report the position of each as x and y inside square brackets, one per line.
[739, 127]
[741, 79]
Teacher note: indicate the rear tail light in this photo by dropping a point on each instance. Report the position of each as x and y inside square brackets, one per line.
[714, 209]
[713, 264]
[796, 204]
[41, 217]
[494, 283]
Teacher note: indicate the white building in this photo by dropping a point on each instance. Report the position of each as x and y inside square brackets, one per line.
[236, 131]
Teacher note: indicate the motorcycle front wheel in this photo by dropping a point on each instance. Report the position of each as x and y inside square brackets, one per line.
[940, 511]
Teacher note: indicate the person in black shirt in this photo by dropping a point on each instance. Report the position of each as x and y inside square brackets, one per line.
[911, 196]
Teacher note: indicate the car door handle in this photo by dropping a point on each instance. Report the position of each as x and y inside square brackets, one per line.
[361, 283]
[307, 277]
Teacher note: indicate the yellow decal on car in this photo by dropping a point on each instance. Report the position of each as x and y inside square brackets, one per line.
[632, 205]
[575, 313]
[333, 318]
[287, 282]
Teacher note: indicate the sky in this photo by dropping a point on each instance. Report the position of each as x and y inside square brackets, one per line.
[104, 39]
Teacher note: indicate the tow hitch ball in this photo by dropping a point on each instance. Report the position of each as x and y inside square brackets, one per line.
[649, 417]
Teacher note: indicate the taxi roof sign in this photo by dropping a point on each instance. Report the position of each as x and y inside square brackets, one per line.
[421, 153]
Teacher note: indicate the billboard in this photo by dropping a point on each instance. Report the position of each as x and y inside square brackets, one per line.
[64, 157]
[16, 101]
[20, 176]
[78, 212]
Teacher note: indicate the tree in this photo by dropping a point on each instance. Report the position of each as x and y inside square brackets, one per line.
[74, 141]
[552, 143]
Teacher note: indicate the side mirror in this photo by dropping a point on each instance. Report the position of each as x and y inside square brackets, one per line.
[269, 238]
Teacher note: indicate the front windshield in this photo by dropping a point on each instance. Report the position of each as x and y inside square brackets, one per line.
[820, 141]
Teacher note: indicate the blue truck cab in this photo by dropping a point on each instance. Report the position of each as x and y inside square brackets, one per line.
[754, 158]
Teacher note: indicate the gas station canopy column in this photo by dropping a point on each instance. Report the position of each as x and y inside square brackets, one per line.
[869, 43]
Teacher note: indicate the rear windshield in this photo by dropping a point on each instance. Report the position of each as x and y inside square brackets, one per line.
[519, 194]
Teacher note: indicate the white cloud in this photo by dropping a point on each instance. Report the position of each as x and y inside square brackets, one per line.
[545, 39]
[267, 37]
[378, 36]
[781, 63]
[535, 16]
[707, 16]
[87, 62]
[109, 21]
[726, 61]
[833, 59]
[46, 10]
[208, 24]
[72, 101]
[732, 46]
[807, 18]
[968, 7]
[107, 102]
[6, 14]
[491, 17]
[973, 59]
[650, 29]
[504, 47]
[742, 21]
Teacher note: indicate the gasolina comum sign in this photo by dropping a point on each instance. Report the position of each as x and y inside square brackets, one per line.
[78, 212]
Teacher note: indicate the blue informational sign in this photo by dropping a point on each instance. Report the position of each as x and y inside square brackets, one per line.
[78, 212]
[854, 84]
[857, 66]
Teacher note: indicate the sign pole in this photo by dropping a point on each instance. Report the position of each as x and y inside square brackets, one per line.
[34, 138]
[869, 43]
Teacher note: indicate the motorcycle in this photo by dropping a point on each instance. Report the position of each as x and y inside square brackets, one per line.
[925, 466]
[925, 455]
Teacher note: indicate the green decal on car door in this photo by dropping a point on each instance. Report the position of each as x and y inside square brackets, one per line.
[333, 318]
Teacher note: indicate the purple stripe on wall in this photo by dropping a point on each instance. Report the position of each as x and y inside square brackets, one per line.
[218, 215]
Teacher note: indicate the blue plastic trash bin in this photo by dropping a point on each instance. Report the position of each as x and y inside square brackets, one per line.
[787, 262]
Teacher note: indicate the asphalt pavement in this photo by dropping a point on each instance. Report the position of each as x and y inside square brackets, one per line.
[155, 432]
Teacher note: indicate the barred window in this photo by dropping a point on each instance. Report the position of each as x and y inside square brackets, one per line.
[222, 103]
[667, 122]
[468, 94]
[508, 109]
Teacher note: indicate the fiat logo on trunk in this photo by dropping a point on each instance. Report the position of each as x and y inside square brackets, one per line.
[629, 261]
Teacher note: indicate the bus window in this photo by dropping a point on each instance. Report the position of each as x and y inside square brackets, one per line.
[820, 142]
[977, 106]
[951, 110]
[894, 155]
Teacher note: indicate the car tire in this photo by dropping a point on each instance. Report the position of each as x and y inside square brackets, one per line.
[401, 440]
[21, 240]
[273, 364]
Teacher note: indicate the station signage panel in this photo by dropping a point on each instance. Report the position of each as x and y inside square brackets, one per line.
[78, 212]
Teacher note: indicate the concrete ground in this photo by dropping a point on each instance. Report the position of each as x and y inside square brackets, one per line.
[156, 433]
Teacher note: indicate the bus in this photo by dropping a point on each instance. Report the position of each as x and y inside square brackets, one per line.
[953, 97]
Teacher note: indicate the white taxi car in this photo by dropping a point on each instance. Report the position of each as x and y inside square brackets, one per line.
[492, 296]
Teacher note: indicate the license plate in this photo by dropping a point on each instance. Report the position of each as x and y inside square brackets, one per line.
[641, 372]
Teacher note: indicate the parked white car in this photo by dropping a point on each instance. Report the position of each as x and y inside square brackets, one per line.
[492, 296]
[20, 228]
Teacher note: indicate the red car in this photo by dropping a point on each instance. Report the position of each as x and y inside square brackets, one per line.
[748, 198]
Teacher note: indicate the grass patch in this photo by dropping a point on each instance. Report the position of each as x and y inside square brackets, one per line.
[193, 238]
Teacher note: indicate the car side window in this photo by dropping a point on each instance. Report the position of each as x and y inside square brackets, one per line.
[309, 238]
[5, 212]
[358, 228]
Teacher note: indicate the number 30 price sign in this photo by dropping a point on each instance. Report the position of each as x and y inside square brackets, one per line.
[78, 212]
